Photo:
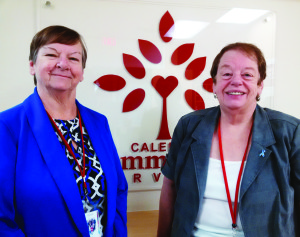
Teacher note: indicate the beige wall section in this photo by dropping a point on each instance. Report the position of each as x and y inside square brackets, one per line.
[18, 25]
[287, 59]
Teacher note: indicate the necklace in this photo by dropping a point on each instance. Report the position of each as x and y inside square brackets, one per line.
[233, 211]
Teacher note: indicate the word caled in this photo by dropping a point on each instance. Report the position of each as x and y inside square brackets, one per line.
[144, 160]
[160, 147]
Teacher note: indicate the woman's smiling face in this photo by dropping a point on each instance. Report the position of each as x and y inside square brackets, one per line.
[237, 81]
[58, 67]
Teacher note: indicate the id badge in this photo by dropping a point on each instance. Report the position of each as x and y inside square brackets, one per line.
[93, 222]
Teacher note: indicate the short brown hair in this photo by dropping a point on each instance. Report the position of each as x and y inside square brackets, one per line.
[250, 50]
[56, 34]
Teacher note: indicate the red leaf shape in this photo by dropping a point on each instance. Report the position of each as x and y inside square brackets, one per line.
[195, 68]
[110, 82]
[133, 100]
[208, 85]
[165, 24]
[182, 54]
[134, 66]
[194, 100]
[150, 51]
[164, 86]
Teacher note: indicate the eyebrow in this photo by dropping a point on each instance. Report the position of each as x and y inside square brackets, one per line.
[47, 47]
[225, 66]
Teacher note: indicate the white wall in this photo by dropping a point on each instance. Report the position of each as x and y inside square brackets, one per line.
[18, 25]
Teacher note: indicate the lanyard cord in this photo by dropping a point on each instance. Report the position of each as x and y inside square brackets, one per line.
[82, 171]
[233, 212]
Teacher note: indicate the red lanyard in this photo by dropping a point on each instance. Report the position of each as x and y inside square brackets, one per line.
[233, 212]
[82, 171]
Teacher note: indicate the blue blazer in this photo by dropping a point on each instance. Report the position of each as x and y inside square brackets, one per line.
[38, 192]
[270, 188]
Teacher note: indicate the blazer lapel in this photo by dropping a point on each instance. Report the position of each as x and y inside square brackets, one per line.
[102, 144]
[99, 140]
[259, 153]
[202, 145]
[55, 159]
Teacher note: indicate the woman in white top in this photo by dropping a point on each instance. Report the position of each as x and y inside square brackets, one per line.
[233, 170]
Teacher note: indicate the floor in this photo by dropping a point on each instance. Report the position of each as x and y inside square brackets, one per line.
[142, 223]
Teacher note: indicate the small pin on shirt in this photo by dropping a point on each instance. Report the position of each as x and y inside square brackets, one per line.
[262, 153]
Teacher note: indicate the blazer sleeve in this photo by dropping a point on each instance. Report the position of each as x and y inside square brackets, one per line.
[168, 168]
[295, 175]
[8, 148]
[295, 163]
[120, 221]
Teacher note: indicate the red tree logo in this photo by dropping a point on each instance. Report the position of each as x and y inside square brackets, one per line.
[164, 86]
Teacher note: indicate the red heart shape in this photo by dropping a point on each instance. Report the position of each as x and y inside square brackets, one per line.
[164, 86]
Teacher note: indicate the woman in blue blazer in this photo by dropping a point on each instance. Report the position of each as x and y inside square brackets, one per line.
[234, 169]
[60, 173]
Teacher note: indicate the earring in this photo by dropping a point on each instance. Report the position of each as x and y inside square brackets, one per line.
[215, 96]
[258, 98]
